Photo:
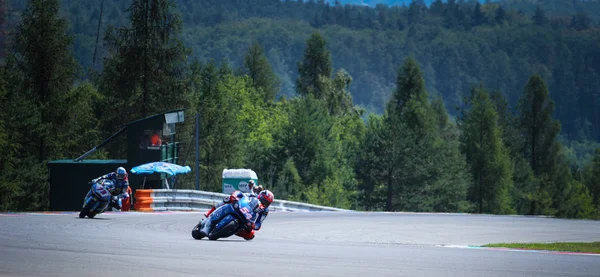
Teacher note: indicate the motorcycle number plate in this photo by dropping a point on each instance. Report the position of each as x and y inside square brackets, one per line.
[246, 212]
[102, 191]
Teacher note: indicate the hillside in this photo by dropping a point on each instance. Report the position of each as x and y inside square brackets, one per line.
[457, 45]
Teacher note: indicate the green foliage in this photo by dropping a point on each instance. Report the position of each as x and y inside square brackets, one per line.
[305, 134]
[540, 144]
[592, 180]
[457, 46]
[257, 67]
[585, 247]
[144, 70]
[41, 72]
[37, 115]
[369, 165]
[315, 65]
[9, 188]
[337, 94]
[441, 115]
[288, 181]
[410, 100]
[221, 134]
[83, 132]
[314, 144]
[524, 190]
[578, 202]
[488, 158]
[404, 161]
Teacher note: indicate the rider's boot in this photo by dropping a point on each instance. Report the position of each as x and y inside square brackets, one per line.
[246, 234]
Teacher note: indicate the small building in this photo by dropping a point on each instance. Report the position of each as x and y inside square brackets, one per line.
[237, 179]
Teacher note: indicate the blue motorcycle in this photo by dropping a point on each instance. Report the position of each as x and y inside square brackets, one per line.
[97, 199]
[228, 219]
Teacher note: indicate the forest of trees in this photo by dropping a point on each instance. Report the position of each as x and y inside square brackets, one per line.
[453, 107]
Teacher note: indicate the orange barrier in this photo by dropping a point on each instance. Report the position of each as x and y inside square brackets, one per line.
[143, 200]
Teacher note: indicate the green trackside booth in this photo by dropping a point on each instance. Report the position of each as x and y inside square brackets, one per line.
[237, 179]
[150, 139]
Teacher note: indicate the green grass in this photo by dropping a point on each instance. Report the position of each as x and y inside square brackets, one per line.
[588, 247]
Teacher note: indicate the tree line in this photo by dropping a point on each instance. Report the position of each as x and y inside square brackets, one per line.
[314, 145]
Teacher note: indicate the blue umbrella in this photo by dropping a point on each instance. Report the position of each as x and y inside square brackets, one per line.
[161, 167]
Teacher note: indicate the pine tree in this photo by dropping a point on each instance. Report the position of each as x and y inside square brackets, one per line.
[257, 67]
[10, 190]
[540, 145]
[369, 168]
[221, 132]
[410, 99]
[448, 193]
[409, 137]
[316, 64]
[337, 94]
[145, 68]
[41, 72]
[486, 154]
[305, 134]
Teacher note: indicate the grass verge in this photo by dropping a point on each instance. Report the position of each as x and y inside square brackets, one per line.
[587, 247]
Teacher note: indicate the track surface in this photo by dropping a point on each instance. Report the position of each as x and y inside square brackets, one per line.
[290, 244]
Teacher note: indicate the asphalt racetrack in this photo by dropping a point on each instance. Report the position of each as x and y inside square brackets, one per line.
[290, 244]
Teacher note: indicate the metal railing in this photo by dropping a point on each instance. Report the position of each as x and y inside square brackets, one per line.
[194, 200]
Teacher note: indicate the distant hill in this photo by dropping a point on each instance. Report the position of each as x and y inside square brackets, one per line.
[456, 45]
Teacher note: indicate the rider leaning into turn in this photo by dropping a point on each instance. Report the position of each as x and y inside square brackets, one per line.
[265, 197]
[121, 182]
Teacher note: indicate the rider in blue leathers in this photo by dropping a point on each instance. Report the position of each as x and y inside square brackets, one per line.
[265, 198]
[121, 182]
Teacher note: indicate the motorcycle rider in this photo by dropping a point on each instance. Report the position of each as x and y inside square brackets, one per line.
[265, 198]
[121, 184]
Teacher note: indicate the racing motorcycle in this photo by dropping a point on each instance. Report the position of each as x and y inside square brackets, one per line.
[97, 199]
[228, 219]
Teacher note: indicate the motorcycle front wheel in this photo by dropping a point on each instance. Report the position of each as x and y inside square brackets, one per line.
[86, 209]
[196, 234]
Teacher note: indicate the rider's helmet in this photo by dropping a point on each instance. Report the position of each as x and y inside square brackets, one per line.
[266, 197]
[251, 185]
[121, 173]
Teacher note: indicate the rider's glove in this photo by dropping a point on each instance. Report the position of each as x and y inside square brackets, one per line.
[231, 199]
